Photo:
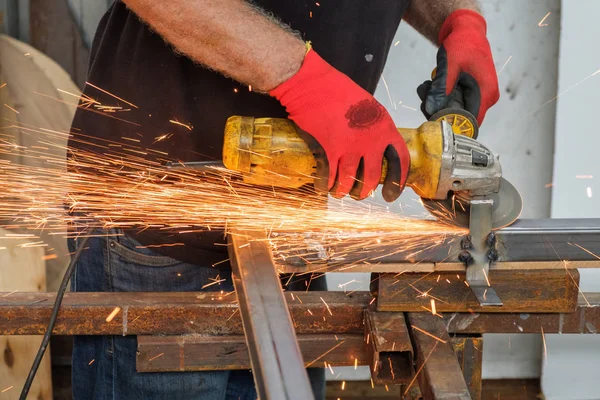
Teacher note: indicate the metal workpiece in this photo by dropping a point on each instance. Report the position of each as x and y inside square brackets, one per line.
[277, 364]
[389, 347]
[526, 241]
[438, 371]
[478, 266]
[212, 353]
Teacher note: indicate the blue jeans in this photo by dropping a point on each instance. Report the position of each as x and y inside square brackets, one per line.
[114, 264]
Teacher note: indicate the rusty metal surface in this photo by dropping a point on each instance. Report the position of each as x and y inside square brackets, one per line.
[390, 348]
[521, 291]
[585, 319]
[202, 353]
[469, 352]
[438, 371]
[206, 313]
[171, 313]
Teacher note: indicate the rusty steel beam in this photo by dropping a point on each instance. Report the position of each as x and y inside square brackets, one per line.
[469, 352]
[171, 313]
[390, 348]
[207, 353]
[212, 314]
[438, 372]
[531, 291]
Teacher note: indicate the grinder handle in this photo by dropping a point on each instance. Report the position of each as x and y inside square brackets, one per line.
[461, 120]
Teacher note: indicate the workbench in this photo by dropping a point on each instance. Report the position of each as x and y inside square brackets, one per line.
[432, 353]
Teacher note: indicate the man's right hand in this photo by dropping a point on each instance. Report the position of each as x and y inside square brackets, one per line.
[355, 130]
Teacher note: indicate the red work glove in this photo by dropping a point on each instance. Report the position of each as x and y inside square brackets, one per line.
[464, 59]
[353, 129]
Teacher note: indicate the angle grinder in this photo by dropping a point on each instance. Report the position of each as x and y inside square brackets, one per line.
[447, 170]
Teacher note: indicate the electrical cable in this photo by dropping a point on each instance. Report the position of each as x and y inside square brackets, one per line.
[46, 339]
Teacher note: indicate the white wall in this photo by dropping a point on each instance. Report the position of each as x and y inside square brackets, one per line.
[575, 359]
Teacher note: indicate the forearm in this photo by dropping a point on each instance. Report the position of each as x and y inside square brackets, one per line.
[229, 36]
[427, 16]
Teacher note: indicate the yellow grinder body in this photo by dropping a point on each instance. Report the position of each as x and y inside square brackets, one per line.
[269, 151]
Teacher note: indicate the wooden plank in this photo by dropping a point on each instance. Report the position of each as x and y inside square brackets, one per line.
[390, 348]
[469, 352]
[22, 269]
[539, 291]
[206, 353]
[438, 371]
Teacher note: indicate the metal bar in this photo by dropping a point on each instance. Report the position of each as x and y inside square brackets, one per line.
[390, 348]
[550, 291]
[209, 353]
[438, 371]
[423, 267]
[469, 351]
[275, 356]
[524, 241]
[480, 226]
[205, 313]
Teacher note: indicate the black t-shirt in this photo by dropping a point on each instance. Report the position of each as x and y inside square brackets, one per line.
[132, 62]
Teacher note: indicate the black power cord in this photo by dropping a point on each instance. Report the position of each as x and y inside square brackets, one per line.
[59, 297]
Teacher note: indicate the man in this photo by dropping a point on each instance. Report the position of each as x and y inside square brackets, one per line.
[199, 62]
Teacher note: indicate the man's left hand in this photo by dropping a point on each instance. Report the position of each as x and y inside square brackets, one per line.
[464, 59]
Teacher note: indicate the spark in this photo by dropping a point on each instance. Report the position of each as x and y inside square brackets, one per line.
[155, 357]
[7, 389]
[420, 368]
[545, 348]
[310, 14]
[113, 314]
[151, 246]
[387, 389]
[586, 250]
[387, 89]
[110, 94]
[326, 305]
[355, 363]
[589, 192]
[584, 176]
[49, 257]
[541, 23]
[91, 362]
[486, 277]
[249, 88]
[372, 384]
[324, 354]
[175, 122]
[433, 311]
[3, 85]
[343, 385]
[10, 108]
[330, 369]
[8, 294]
[428, 334]
[391, 368]
[396, 44]
[215, 281]
[501, 69]
[410, 108]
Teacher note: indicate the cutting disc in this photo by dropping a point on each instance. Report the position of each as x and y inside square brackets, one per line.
[506, 209]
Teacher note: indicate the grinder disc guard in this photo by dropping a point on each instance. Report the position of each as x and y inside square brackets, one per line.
[506, 209]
